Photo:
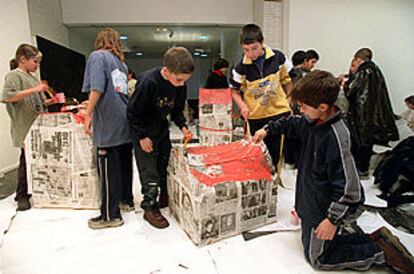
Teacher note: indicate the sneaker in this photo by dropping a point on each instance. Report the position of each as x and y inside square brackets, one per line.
[155, 218]
[126, 207]
[396, 254]
[363, 175]
[163, 200]
[100, 223]
[23, 204]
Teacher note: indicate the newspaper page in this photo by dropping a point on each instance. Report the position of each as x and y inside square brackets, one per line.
[221, 191]
[60, 163]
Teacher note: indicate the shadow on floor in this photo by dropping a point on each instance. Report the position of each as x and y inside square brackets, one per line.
[8, 184]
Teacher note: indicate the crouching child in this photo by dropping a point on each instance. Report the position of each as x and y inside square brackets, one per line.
[328, 189]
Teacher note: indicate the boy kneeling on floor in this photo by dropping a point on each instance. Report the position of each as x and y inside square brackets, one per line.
[328, 189]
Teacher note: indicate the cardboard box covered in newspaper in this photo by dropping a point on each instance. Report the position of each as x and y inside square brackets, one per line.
[220, 191]
[215, 122]
[60, 161]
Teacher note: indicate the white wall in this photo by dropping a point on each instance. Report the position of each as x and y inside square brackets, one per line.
[46, 21]
[81, 44]
[337, 28]
[12, 13]
[77, 12]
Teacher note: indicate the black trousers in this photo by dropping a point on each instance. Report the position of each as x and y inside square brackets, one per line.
[115, 176]
[152, 168]
[21, 190]
[272, 142]
[351, 251]
[362, 155]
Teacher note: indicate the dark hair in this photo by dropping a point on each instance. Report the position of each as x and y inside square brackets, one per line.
[409, 99]
[179, 60]
[27, 51]
[251, 33]
[298, 57]
[13, 64]
[312, 54]
[133, 76]
[317, 87]
[221, 63]
[108, 39]
[364, 54]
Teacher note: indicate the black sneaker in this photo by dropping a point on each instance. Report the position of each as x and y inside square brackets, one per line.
[100, 223]
[126, 207]
[363, 175]
[23, 204]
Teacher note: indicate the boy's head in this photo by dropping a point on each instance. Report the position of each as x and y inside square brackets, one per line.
[316, 93]
[131, 75]
[178, 66]
[409, 101]
[221, 64]
[251, 40]
[312, 57]
[364, 54]
[298, 58]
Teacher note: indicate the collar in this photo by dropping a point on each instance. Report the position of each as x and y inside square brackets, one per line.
[268, 53]
[334, 118]
[218, 72]
[25, 72]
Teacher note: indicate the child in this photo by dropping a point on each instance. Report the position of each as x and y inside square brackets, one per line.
[408, 115]
[24, 98]
[162, 91]
[328, 188]
[106, 81]
[297, 72]
[263, 79]
[312, 57]
[218, 79]
[132, 82]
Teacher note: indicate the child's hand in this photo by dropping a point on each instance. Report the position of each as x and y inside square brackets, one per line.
[42, 88]
[341, 80]
[325, 230]
[259, 136]
[87, 126]
[146, 144]
[244, 112]
[187, 134]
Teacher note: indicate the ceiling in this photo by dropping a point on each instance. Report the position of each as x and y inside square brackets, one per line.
[153, 40]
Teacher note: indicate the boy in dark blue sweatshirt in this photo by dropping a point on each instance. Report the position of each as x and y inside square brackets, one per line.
[328, 188]
[161, 91]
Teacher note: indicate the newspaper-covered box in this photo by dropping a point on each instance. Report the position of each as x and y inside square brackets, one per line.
[220, 191]
[215, 120]
[61, 169]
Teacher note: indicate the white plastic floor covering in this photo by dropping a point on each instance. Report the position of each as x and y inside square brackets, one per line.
[58, 241]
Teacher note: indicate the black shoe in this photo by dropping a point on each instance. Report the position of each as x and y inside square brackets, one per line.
[363, 175]
[23, 204]
[100, 223]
